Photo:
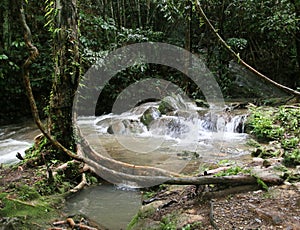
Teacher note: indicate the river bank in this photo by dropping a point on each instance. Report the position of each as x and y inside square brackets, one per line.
[28, 202]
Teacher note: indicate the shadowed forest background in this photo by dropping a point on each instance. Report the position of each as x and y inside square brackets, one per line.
[266, 35]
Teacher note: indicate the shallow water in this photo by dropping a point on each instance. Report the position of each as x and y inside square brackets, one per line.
[107, 205]
[164, 151]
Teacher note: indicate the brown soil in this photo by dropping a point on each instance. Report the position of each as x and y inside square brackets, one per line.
[278, 208]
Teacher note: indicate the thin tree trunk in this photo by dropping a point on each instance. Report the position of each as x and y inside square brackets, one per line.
[138, 6]
[124, 13]
[148, 13]
[241, 61]
[297, 36]
[66, 74]
[6, 26]
[112, 9]
[120, 14]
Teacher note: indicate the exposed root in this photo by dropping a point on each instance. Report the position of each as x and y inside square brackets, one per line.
[80, 185]
[71, 223]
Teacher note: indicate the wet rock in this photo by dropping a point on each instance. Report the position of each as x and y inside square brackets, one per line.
[122, 127]
[172, 126]
[117, 127]
[188, 115]
[149, 115]
[172, 103]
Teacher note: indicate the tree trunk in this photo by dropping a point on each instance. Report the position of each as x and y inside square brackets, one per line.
[66, 74]
[297, 36]
[6, 25]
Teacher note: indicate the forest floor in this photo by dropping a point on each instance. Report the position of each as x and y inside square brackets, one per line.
[178, 207]
[22, 207]
[169, 207]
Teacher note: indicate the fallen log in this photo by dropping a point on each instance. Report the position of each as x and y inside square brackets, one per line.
[226, 180]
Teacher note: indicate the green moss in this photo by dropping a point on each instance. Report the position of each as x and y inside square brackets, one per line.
[27, 193]
[34, 213]
[35, 210]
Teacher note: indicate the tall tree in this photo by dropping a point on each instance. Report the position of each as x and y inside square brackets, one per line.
[67, 70]
[296, 4]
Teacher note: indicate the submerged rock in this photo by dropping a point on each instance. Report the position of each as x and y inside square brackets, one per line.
[126, 126]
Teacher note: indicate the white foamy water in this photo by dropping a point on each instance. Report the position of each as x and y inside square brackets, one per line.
[16, 138]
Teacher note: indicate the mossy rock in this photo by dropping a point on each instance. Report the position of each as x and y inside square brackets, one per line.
[149, 115]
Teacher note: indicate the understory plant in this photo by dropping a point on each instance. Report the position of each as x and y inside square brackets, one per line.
[281, 126]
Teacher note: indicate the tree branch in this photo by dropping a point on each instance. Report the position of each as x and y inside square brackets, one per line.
[239, 59]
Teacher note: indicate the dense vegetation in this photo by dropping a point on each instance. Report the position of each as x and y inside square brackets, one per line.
[264, 33]
[281, 128]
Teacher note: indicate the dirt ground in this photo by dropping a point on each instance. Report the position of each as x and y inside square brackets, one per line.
[278, 208]
[191, 207]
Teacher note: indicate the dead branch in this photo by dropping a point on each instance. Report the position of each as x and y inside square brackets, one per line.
[238, 58]
[80, 185]
[217, 170]
[229, 180]
[228, 191]
[72, 224]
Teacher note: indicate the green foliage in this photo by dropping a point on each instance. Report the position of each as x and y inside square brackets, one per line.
[292, 158]
[279, 124]
[27, 193]
[168, 222]
[234, 170]
[262, 32]
[13, 53]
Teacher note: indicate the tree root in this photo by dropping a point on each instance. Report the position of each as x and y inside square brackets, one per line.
[81, 185]
[71, 223]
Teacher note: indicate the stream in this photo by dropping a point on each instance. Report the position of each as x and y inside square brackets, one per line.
[179, 142]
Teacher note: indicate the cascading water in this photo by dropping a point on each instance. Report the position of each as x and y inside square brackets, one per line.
[145, 135]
